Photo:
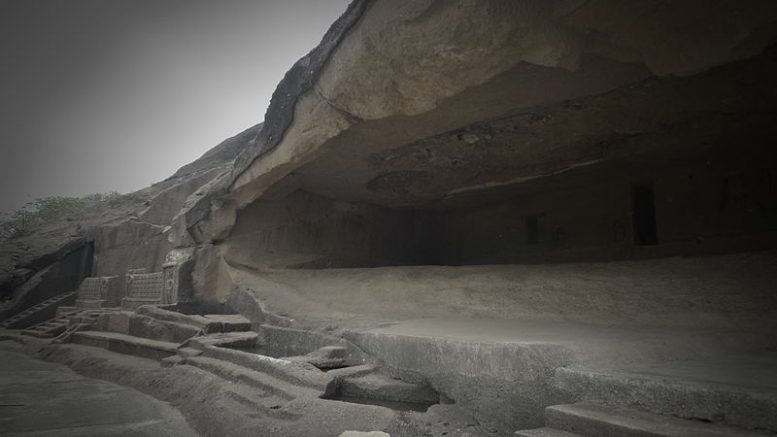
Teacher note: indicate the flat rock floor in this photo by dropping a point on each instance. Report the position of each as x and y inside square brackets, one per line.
[38, 398]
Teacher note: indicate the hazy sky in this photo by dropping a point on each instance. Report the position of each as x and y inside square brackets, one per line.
[112, 95]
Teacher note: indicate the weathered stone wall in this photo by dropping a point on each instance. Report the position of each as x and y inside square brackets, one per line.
[163, 208]
[132, 244]
[715, 200]
[720, 201]
[61, 276]
[387, 76]
[305, 230]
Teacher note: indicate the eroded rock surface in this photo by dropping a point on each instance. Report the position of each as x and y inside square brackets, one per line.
[130, 231]
[419, 145]
[399, 75]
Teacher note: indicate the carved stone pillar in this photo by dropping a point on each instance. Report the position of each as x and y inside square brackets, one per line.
[169, 283]
[177, 276]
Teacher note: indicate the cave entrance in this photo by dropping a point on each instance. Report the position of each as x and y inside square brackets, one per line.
[602, 212]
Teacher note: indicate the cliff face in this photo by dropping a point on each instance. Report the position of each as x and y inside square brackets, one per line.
[129, 231]
[458, 132]
[470, 164]
[507, 131]
[388, 77]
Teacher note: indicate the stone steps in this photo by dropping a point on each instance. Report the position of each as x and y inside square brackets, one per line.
[23, 318]
[209, 323]
[747, 400]
[154, 329]
[79, 321]
[155, 333]
[126, 344]
[378, 386]
[266, 394]
[59, 325]
[597, 420]
[228, 322]
[295, 373]
[244, 340]
[243, 375]
[45, 331]
[545, 432]
[133, 303]
[163, 325]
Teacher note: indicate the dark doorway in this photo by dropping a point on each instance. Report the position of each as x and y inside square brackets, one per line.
[644, 215]
[533, 229]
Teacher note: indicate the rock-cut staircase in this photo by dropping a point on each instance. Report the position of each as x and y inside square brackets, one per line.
[588, 419]
[36, 313]
[68, 320]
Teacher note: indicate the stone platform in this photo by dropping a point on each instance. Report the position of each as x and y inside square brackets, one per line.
[509, 371]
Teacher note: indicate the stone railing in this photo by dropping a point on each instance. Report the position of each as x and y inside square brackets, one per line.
[92, 291]
[143, 289]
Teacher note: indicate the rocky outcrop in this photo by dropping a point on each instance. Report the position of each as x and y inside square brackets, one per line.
[450, 105]
[207, 205]
[446, 136]
[386, 77]
[48, 275]
[440, 104]
[130, 231]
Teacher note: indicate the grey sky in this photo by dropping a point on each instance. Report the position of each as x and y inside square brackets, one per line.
[104, 95]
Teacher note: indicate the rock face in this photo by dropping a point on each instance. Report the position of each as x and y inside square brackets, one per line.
[463, 134]
[127, 232]
[478, 62]
[442, 132]
[445, 132]
[509, 131]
